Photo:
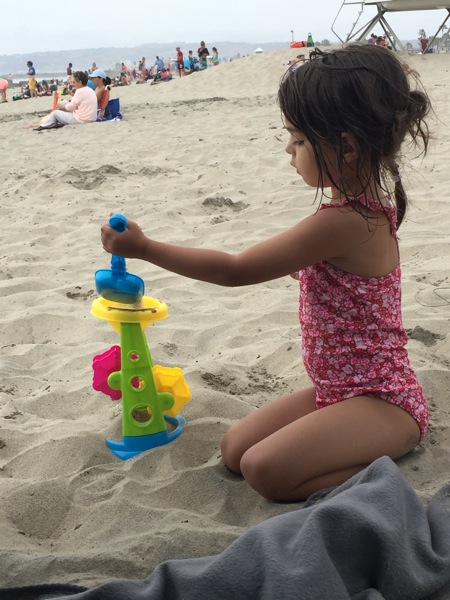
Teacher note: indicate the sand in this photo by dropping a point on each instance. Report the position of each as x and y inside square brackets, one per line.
[198, 161]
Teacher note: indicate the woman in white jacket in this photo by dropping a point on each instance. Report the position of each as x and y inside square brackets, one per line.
[81, 109]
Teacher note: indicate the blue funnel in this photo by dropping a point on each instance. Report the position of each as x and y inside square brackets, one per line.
[116, 284]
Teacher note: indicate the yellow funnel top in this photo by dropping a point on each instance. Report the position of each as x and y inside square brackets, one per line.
[145, 312]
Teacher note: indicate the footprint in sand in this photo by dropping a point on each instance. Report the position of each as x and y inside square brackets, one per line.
[253, 382]
[90, 180]
[79, 295]
[428, 338]
[222, 202]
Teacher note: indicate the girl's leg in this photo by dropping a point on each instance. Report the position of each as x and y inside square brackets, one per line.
[263, 422]
[325, 447]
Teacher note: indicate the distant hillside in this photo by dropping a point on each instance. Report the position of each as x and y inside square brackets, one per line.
[108, 58]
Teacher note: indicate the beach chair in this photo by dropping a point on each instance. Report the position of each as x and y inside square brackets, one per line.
[110, 112]
[114, 108]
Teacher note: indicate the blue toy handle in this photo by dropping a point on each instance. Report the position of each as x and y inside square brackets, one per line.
[119, 223]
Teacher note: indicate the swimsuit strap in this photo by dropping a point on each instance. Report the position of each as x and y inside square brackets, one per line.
[372, 204]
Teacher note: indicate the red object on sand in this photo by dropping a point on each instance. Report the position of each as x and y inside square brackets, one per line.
[55, 100]
[298, 45]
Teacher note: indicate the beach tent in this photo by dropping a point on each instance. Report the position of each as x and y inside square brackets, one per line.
[259, 50]
[391, 6]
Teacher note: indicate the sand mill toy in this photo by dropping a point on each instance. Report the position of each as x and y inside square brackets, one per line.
[152, 396]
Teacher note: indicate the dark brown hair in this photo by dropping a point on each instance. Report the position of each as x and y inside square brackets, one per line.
[81, 76]
[362, 90]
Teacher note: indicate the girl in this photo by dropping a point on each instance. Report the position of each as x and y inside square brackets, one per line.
[347, 113]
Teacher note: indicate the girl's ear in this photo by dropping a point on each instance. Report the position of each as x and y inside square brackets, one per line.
[350, 147]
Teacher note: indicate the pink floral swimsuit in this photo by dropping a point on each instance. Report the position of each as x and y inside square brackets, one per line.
[353, 335]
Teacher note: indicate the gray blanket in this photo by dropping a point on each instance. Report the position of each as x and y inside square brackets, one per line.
[369, 539]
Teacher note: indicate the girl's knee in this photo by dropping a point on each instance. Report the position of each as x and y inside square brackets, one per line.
[257, 471]
[231, 451]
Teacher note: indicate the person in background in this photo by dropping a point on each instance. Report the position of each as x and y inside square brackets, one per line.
[125, 75]
[203, 54]
[45, 88]
[102, 91]
[166, 73]
[180, 62]
[215, 56]
[3, 87]
[372, 39]
[159, 64]
[142, 73]
[32, 84]
[81, 109]
[90, 83]
[70, 74]
[296, 62]
[383, 42]
[193, 62]
[423, 43]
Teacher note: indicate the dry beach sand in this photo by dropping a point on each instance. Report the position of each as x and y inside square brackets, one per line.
[198, 161]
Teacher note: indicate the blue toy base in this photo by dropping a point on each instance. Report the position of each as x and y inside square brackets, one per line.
[132, 445]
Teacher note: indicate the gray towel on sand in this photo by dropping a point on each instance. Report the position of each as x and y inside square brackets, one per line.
[370, 539]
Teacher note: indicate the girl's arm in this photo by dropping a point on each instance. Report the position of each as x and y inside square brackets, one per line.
[325, 235]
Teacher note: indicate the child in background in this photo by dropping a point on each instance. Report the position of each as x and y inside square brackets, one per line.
[347, 113]
[193, 62]
[32, 83]
[3, 87]
[215, 56]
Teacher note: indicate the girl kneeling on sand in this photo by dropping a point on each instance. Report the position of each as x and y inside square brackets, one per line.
[347, 113]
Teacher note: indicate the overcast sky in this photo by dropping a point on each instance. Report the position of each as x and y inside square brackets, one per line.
[29, 26]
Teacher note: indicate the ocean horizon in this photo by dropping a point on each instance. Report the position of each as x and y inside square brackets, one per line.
[110, 59]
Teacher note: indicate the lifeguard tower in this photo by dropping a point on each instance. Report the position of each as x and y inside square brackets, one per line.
[358, 32]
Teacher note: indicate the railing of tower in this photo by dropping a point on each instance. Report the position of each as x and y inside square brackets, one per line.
[351, 33]
[379, 19]
[364, 30]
